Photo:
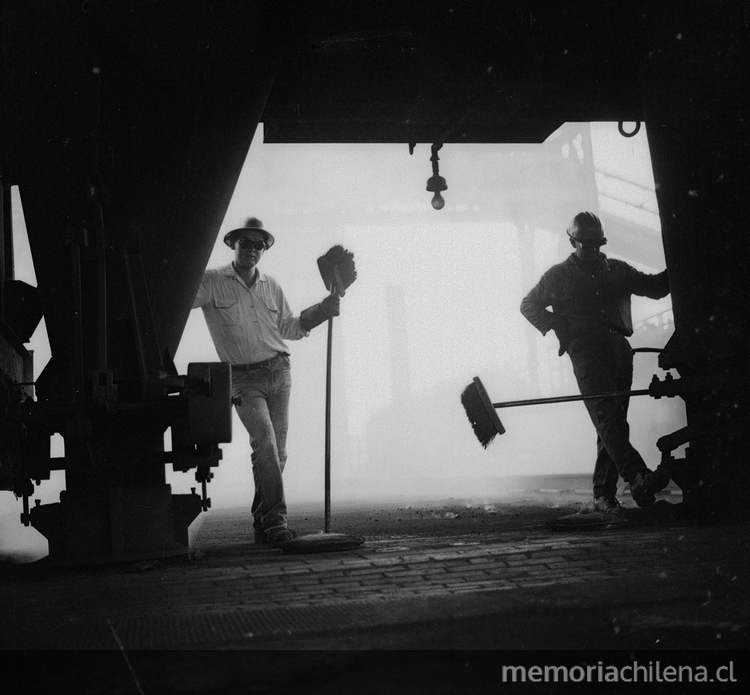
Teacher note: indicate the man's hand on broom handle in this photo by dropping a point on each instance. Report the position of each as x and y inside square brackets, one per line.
[331, 305]
[320, 313]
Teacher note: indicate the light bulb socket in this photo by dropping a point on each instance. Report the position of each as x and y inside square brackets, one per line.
[436, 183]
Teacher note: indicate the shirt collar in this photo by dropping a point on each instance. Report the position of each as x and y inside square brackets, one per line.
[229, 271]
[575, 261]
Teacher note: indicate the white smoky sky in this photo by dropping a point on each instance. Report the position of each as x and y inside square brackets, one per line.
[435, 303]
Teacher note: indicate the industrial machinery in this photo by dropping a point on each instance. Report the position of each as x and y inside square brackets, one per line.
[125, 124]
[125, 145]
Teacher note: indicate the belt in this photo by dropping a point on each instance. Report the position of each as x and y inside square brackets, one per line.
[257, 365]
[601, 330]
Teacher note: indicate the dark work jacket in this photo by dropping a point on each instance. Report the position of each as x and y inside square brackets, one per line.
[589, 298]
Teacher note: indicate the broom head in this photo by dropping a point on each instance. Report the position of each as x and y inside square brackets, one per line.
[322, 543]
[481, 413]
[337, 269]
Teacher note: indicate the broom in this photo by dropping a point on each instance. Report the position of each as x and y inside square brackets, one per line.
[482, 416]
[486, 424]
[338, 272]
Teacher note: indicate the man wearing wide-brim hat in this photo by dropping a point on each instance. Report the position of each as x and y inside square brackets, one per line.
[249, 319]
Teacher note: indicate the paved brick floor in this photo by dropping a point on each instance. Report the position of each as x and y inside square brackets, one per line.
[451, 575]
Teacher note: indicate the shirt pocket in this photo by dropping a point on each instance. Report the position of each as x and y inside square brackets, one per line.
[270, 303]
[228, 311]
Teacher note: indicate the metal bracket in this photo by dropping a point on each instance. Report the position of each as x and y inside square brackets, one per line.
[210, 402]
[670, 386]
[204, 476]
[25, 518]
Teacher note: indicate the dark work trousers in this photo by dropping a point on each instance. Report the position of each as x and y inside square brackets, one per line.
[603, 363]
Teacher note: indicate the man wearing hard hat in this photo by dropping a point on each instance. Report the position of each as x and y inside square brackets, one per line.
[589, 295]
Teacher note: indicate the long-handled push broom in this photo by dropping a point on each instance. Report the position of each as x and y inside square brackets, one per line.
[486, 423]
[338, 273]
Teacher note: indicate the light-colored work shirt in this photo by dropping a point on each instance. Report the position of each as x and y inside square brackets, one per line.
[247, 324]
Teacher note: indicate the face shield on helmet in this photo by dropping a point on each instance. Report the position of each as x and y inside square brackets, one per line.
[586, 228]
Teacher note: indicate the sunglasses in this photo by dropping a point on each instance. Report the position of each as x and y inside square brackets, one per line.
[247, 243]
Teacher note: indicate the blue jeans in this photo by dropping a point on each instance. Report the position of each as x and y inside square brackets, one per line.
[264, 411]
[603, 363]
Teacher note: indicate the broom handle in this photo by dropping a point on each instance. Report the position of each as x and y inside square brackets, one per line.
[327, 503]
[565, 399]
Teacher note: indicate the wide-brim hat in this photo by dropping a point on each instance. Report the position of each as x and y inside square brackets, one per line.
[252, 224]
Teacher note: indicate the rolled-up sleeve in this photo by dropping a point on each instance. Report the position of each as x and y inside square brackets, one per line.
[289, 325]
[203, 294]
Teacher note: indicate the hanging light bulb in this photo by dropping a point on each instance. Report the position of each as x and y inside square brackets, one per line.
[436, 183]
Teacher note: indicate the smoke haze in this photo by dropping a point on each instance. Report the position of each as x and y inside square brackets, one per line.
[435, 304]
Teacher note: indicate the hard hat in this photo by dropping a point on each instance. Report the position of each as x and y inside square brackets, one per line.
[586, 228]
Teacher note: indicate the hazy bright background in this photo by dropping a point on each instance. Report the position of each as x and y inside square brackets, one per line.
[436, 302]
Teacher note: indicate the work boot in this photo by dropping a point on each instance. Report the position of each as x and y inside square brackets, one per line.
[608, 504]
[261, 536]
[277, 537]
[646, 484]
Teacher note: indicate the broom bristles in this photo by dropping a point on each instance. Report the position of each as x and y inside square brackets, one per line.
[481, 413]
[342, 260]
